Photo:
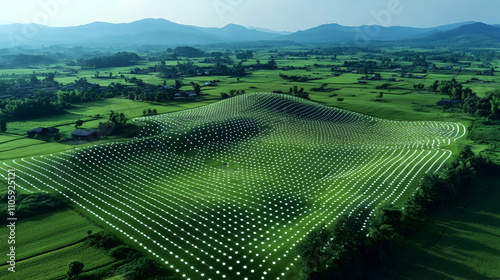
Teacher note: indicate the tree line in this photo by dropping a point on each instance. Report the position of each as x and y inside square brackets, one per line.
[117, 60]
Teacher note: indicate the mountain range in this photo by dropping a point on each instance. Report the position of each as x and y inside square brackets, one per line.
[164, 32]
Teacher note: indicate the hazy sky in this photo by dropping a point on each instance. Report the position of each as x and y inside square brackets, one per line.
[289, 15]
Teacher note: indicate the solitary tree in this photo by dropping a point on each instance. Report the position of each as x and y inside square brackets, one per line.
[78, 123]
[74, 269]
[3, 125]
[197, 89]
[178, 84]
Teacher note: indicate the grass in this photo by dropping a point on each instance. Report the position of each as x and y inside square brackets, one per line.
[54, 265]
[231, 188]
[67, 227]
[459, 242]
[28, 147]
[45, 254]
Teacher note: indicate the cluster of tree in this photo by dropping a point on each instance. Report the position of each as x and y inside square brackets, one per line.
[117, 125]
[218, 57]
[117, 60]
[186, 51]
[232, 93]
[352, 248]
[24, 60]
[455, 90]
[244, 54]
[23, 86]
[383, 86]
[486, 107]
[437, 190]
[449, 58]
[294, 78]
[269, 65]
[131, 263]
[295, 91]
[29, 205]
[320, 88]
[23, 109]
[43, 103]
[149, 112]
[419, 86]
[362, 66]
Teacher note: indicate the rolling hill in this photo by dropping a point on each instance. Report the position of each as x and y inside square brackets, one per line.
[477, 29]
[142, 32]
[339, 33]
[229, 189]
[167, 33]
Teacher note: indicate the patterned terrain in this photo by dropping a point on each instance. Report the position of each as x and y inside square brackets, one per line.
[227, 190]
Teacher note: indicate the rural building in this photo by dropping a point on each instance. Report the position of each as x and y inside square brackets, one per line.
[362, 82]
[450, 102]
[180, 95]
[209, 83]
[85, 134]
[335, 74]
[42, 131]
[392, 79]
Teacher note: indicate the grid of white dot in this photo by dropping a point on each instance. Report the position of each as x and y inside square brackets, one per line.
[227, 190]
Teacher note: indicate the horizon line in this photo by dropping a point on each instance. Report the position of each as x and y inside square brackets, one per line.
[248, 27]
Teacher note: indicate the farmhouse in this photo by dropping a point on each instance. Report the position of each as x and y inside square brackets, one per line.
[450, 102]
[42, 131]
[362, 82]
[209, 83]
[85, 134]
[192, 94]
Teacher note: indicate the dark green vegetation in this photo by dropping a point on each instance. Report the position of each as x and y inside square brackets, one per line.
[458, 241]
[29, 205]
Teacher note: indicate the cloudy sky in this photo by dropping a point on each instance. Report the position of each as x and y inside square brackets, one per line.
[289, 15]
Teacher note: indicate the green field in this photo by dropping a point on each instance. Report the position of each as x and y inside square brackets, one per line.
[228, 189]
[45, 254]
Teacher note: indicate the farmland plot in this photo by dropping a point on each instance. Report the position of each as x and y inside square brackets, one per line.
[226, 191]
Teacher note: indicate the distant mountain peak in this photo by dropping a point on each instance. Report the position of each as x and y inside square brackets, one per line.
[472, 31]
[234, 26]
